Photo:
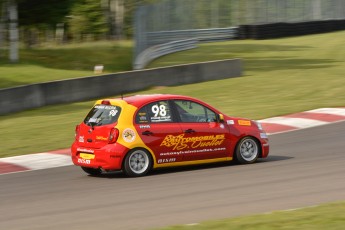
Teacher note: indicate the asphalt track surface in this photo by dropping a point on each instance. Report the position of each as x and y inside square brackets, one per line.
[305, 168]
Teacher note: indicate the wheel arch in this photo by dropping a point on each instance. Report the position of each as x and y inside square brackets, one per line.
[139, 148]
[240, 139]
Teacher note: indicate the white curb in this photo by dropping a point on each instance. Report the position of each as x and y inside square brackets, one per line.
[39, 160]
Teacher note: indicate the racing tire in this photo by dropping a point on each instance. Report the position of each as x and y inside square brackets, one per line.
[92, 171]
[138, 162]
[247, 150]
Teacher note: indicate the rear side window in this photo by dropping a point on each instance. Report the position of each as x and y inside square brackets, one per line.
[102, 115]
[157, 112]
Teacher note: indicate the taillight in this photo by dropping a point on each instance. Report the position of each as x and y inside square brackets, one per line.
[77, 128]
[113, 135]
[106, 102]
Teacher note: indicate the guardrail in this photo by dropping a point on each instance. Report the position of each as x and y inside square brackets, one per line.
[165, 42]
[202, 35]
[148, 55]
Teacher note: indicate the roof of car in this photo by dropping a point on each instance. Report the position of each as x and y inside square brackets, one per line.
[138, 100]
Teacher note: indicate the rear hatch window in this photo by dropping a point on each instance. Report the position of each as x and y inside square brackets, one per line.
[98, 125]
[102, 115]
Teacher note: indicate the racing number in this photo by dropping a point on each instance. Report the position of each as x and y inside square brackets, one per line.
[159, 110]
[113, 113]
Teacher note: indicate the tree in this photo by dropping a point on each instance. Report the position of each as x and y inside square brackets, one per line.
[36, 16]
[86, 18]
[3, 15]
[41, 19]
[114, 10]
[13, 30]
[43, 13]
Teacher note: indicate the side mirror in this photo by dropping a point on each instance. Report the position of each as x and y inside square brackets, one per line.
[220, 117]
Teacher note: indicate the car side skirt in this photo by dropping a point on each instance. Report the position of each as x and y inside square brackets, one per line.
[196, 162]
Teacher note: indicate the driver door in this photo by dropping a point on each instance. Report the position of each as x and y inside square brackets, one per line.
[203, 136]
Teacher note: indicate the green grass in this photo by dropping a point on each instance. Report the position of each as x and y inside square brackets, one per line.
[41, 130]
[328, 216]
[281, 76]
[65, 61]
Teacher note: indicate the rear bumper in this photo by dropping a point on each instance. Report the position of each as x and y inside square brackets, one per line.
[109, 157]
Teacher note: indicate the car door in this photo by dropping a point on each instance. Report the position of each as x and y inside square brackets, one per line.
[156, 124]
[203, 136]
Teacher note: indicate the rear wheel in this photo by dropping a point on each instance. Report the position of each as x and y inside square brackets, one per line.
[92, 171]
[137, 163]
[247, 150]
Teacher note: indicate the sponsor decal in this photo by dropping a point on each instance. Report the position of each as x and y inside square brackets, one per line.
[85, 150]
[128, 135]
[161, 119]
[113, 112]
[230, 122]
[142, 117]
[84, 161]
[169, 160]
[192, 151]
[244, 122]
[100, 138]
[144, 126]
[107, 107]
[81, 139]
[180, 142]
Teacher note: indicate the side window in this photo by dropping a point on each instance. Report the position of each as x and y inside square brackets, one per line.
[190, 111]
[156, 112]
[141, 117]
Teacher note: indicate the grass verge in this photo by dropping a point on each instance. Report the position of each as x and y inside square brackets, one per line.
[282, 76]
[328, 216]
[65, 61]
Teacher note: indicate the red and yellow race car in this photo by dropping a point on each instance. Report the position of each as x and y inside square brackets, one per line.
[138, 133]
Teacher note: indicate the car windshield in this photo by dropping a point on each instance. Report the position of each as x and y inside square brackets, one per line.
[102, 115]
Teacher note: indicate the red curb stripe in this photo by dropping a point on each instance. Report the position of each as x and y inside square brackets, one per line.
[61, 151]
[276, 128]
[318, 116]
[8, 168]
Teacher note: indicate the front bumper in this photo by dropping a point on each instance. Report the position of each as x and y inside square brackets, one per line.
[264, 144]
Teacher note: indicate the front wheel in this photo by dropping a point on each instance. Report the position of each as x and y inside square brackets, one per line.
[92, 171]
[137, 163]
[247, 150]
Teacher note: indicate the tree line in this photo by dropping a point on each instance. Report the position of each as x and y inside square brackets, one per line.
[35, 21]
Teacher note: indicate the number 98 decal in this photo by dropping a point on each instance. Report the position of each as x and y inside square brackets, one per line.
[160, 113]
[159, 110]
